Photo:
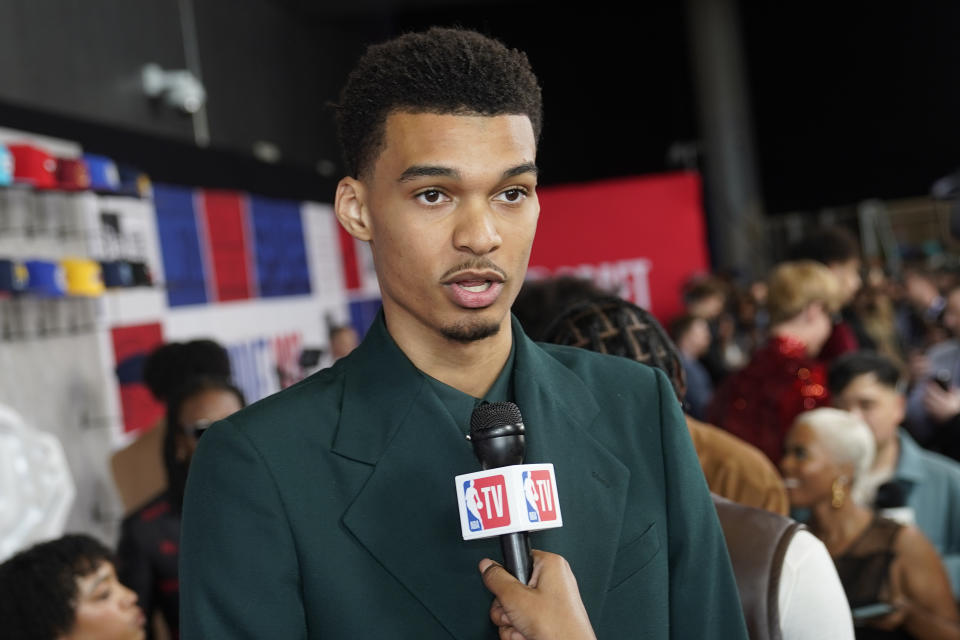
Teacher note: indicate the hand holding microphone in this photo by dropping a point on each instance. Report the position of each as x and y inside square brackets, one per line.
[547, 608]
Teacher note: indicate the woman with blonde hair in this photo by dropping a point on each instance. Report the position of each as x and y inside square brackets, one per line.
[894, 579]
[783, 378]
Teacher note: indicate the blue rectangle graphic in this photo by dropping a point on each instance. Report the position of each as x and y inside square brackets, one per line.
[183, 264]
[279, 247]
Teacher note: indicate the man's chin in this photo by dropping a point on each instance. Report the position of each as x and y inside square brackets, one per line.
[466, 332]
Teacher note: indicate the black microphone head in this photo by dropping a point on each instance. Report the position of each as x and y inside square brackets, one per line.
[489, 415]
[497, 434]
[890, 495]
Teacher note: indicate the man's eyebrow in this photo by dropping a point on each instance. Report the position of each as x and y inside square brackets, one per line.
[100, 578]
[527, 167]
[427, 171]
[431, 171]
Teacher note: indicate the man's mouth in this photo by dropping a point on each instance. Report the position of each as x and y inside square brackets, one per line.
[475, 286]
[791, 483]
[474, 291]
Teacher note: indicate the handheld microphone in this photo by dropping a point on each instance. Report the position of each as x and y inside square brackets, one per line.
[889, 496]
[891, 502]
[497, 435]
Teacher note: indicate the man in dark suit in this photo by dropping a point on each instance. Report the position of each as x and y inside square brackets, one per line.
[328, 510]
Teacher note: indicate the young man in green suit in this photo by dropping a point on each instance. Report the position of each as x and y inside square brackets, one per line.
[328, 510]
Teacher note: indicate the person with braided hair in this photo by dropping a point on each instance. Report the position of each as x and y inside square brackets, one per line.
[785, 575]
[733, 469]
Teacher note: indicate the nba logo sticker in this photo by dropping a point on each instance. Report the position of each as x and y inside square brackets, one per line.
[508, 499]
[487, 503]
[539, 494]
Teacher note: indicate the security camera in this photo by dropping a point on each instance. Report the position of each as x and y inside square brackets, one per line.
[179, 89]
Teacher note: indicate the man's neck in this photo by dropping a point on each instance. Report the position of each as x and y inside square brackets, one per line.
[470, 367]
[887, 457]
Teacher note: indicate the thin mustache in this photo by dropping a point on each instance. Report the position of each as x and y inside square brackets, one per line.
[477, 264]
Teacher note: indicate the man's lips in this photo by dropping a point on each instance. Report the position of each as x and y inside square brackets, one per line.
[473, 289]
[473, 277]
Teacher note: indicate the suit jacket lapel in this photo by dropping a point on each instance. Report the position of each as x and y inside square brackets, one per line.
[406, 514]
[558, 412]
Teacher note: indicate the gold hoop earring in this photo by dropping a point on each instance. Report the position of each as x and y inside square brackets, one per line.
[839, 495]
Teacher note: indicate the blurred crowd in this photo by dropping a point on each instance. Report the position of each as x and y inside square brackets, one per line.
[846, 381]
[823, 403]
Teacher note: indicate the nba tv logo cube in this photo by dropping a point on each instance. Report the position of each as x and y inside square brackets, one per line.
[508, 500]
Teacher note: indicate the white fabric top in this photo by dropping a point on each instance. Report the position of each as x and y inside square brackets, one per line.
[36, 488]
[812, 603]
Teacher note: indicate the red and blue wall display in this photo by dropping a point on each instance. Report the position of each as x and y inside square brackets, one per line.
[281, 256]
[224, 214]
[219, 246]
[180, 246]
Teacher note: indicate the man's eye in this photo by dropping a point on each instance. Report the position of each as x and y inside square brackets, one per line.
[513, 195]
[431, 196]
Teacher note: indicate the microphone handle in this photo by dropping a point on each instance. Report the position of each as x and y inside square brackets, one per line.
[517, 558]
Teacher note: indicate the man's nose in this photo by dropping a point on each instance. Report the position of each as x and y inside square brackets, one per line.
[476, 229]
[130, 597]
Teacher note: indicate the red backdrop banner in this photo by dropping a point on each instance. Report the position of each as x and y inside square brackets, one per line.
[642, 237]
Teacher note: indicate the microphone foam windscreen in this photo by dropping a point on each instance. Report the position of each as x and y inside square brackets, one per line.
[890, 495]
[494, 414]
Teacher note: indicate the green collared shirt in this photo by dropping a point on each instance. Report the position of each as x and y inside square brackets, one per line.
[461, 405]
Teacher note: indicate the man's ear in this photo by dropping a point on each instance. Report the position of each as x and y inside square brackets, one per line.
[351, 209]
[901, 408]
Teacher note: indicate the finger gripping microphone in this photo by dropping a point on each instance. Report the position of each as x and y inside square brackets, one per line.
[497, 435]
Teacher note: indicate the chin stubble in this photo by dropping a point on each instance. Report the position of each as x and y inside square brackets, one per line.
[470, 332]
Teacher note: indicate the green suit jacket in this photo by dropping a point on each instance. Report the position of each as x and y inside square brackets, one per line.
[329, 509]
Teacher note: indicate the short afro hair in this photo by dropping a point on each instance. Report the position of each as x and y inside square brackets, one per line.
[441, 70]
[38, 586]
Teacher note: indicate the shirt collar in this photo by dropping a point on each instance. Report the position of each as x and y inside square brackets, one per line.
[910, 465]
[461, 405]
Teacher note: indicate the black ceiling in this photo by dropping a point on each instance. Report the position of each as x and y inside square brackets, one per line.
[849, 101]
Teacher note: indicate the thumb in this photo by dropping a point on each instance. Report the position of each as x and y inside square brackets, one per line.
[497, 579]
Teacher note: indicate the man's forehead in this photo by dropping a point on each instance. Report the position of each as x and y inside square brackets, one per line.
[451, 139]
[868, 382]
[103, 571]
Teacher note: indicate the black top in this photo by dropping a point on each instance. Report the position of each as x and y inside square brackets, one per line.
[147, 560]
[864, 571]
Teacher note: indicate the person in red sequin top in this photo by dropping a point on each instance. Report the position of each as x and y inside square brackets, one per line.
[783, 378]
